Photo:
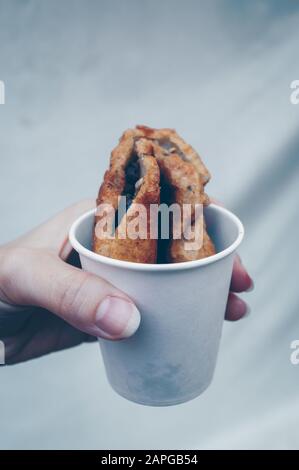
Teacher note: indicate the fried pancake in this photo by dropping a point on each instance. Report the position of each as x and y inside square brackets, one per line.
[187, 188]
[137, 177]
[145, 159]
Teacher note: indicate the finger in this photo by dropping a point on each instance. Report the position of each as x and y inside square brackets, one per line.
[87, 302]
[45, 334]
[240, 281]
[236, 308]
[53, 234]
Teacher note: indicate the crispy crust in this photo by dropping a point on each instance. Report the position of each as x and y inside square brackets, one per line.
[121, 246]
[178, 252]
[159, 151]
[187, 189]
[185, 151]
[114, 178]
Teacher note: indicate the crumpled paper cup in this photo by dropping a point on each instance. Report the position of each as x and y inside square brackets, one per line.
[171, 358]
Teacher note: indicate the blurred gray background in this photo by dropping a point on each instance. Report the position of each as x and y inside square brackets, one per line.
[78, 73]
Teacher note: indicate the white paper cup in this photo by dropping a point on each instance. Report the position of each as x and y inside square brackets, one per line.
[172, 357]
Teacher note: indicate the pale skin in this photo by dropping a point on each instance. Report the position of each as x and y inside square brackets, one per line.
[69, 306]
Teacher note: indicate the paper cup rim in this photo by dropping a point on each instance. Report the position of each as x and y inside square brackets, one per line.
[82, 250]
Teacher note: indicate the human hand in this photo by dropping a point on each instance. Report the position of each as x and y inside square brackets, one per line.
[240, 282]
[33, 273]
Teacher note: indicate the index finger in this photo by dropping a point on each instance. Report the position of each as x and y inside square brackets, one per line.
[240, 281]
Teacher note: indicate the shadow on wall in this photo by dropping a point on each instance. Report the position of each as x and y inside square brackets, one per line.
[269, 183]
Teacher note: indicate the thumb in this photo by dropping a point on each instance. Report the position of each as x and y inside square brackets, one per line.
[88, 302]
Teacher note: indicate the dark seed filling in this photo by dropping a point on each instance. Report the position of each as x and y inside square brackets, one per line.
[166, 197]
[132, 175]
[168, 145]
[132, 172]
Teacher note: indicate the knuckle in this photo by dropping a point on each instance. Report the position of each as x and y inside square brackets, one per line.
[11, 261]
[74, 295]
[15, 263]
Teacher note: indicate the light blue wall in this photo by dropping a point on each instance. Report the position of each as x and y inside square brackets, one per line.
[77, 73]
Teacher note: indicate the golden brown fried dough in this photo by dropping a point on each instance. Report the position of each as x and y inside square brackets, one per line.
[187, 188]
[171, 141]
[157, 153]
[147, 192]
